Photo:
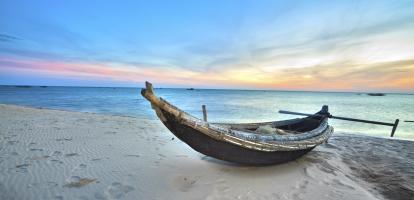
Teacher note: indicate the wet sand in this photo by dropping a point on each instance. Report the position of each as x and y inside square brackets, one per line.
[51, 154]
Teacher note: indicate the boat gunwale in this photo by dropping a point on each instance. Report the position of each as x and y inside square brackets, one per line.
[259, 142]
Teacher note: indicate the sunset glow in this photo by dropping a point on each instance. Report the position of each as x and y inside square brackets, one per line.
[322, 46]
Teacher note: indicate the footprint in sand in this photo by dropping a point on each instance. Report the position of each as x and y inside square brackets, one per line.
[306, 172]
[221, 185]
[22, 165]
[56, 161]
[222, 188]
[22, 168]
[183, 183]
[76, 181]
[64, 139]
[56, 153]
[82, 166]
[118, 190]
[71, 154]
[133, 155]
[39, 158]
[36, 149]
[302, 185]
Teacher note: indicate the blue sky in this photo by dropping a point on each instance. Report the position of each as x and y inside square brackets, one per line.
[293, 45]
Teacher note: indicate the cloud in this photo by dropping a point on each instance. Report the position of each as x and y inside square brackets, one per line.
[302, 48]
[348, 76]
[286, 50]
[114, 72]
[8, 38]
[343, 76]
[29, 54]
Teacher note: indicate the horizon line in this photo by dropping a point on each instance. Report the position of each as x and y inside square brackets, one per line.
[236, 89]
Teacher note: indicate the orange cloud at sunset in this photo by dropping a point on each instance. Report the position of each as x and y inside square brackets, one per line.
[392, 75]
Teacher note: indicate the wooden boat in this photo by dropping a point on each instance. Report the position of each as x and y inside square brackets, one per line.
[242, 143]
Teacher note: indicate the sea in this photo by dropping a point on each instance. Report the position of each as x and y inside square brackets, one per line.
[227, 105]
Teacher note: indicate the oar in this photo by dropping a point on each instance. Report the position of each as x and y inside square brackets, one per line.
[394, 125]
[408, 121]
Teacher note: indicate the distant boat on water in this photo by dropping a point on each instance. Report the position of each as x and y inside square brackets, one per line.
[23, 86]
[375, 94]
[190, 88]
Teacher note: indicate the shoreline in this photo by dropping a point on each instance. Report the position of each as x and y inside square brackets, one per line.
[68, 154]
[135, 117]
[71, 111]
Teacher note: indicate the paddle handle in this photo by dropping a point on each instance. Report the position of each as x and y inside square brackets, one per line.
[394, 125]
[296, 113]
[363, 121]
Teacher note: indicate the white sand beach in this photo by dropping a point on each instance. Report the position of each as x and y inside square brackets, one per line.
[52, 154]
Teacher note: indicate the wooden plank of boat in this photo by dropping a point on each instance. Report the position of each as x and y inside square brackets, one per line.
[242, 143]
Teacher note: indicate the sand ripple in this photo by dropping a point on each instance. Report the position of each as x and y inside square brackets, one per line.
[50, 154]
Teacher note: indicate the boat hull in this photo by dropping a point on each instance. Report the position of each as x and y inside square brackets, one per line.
[226, 151]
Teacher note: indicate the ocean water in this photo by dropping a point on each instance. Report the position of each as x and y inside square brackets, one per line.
[227, 105]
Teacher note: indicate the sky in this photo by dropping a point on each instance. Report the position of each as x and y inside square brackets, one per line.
[282, 45]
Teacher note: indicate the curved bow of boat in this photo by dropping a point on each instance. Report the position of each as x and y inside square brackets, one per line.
[260, 142]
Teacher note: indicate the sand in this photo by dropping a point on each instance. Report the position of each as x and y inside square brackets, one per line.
[52, 154]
